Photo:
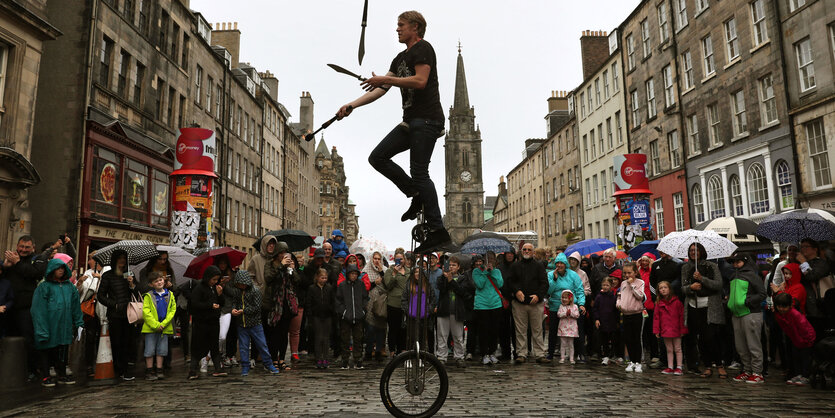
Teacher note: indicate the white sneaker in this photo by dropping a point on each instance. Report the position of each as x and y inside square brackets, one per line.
[485, 360]
[204, 366]
[605, 361]
[735, 365]
[562, 360]
[493, 359]
[638, 368]
[630, 367]
[469, 356]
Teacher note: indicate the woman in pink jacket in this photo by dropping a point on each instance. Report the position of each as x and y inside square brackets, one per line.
[669, 324]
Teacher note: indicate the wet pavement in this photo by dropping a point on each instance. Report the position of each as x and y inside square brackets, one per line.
[502, 390]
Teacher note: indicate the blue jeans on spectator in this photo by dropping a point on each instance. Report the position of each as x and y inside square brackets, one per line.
[256, 334]
[418, 136]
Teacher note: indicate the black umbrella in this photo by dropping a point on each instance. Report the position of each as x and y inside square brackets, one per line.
[480, 235]
[732, 228]
[795, 225]
[295, 239]
[138, 251]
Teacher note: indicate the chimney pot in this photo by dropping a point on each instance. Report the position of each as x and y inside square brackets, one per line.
[236, 25]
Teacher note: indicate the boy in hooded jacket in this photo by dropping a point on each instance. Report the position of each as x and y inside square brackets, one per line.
[56, 315]
[246, 309]
[205, 303]
[351, 299]
[158, 309]
[747, 293]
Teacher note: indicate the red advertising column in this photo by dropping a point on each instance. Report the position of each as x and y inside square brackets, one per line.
[632, 194]
[193, 177]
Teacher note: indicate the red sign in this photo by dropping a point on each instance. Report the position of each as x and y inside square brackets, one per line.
[631, 174]
[195, 152]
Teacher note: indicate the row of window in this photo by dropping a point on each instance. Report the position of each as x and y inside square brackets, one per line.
[594, 102]
[678, 213]
[756, 186]
[597, 188]
[242, 172]
[561, 221]
[242, 218]
[591, 146]
[272, 200]
[558, 149]
[559, 191]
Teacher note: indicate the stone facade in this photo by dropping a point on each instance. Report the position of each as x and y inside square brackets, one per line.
[525, 191]
[274, 125]
[336, 211]
[658, 128]
[563, 192]
[808, 33]
[601, 135]
[734, 96]
[500, 209]
[462, 150]
[24, 31]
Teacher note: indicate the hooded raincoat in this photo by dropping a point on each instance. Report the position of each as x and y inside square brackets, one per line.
[260, 260]
[56, 309]
[570, 280]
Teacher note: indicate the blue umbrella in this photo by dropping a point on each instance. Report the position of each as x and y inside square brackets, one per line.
[483, 245]
[589, 246]
[644, 247]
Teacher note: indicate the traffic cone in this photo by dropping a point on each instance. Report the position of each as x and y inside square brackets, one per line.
[104, 373]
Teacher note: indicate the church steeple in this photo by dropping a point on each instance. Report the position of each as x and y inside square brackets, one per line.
[461, 114]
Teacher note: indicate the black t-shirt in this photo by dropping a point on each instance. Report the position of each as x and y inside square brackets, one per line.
[419, 103]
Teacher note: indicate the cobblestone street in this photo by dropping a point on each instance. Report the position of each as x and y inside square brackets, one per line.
[519, 390]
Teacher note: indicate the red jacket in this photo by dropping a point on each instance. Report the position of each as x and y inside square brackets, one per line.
[794, 287]
[795, 325]
[668, 318]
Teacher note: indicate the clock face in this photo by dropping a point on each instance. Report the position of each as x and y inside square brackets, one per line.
[466, 176]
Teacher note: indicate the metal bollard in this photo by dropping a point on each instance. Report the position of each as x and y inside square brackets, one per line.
[12, 362]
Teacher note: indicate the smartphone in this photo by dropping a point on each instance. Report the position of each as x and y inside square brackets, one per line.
[446, 265]
[397, 261]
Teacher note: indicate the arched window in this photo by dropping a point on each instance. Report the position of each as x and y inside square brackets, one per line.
[716, 197]
[465, 159]
[784, 184]
[698, 205]
[467, 212]
[757, 189]
[736, 196]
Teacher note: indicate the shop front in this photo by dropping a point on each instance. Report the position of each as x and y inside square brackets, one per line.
[126, 189]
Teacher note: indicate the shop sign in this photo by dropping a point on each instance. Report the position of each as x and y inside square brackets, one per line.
[96, 231]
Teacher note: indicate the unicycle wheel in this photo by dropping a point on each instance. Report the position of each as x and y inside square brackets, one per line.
[413, 386]
[420, 232]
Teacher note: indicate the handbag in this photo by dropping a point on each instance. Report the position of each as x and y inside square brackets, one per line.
[379, 302]
[134, 311]
[505, 303]
[88, 307]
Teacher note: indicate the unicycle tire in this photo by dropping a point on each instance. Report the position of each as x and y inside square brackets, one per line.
[420, 232]
[396, 396]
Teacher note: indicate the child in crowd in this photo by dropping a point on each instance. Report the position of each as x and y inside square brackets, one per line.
[747, 293]
[605, 317]
[319, 307]
[630, 301]
[791, 285]
[795, 325]
[246, 309]
[351, 298]
[204, 305]
[56, 315]
[158, 309]
[568, 314]
[669, 325]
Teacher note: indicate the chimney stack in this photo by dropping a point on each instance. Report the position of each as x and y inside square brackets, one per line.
[228, 38]
[594, 48]
[271, 82]
[306, 111]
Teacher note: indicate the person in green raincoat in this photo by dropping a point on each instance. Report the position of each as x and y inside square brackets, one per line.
[57, 319]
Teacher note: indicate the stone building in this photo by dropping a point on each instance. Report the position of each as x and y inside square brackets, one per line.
[525, 194]
[601, 129]
[561, 159]
[25, 30]
[806, 32]
[500, 209]
[336, 211]
[113, 94]
[651, 73]
[274, 125]
[739, 155]
[302, 179]
[462, 149]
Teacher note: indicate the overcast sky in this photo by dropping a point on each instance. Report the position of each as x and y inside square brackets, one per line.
[515, 53]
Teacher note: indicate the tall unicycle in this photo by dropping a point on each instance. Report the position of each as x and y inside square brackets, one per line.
[415, 383]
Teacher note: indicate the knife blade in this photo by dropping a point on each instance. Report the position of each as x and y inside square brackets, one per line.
[347, 72]
[361, 52]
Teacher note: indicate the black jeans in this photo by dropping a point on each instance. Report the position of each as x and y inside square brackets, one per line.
[397, 335]
[704, 336]
[632, 329]
[418, 136]
[277, 337]
[488, 332]
[55, 357]
[507, 333]
[123, 341]
[321, 336]
[204, 334]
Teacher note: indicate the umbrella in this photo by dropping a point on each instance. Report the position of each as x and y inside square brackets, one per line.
[484, 235]
[483, 245]
[198, 265]
[619, 255]
[178, 257]
[138, 251]
[367, 246]
[734, 229]
[589, 246]
[295, 239]
[678, 243]
[644, 247]
[796, 225]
